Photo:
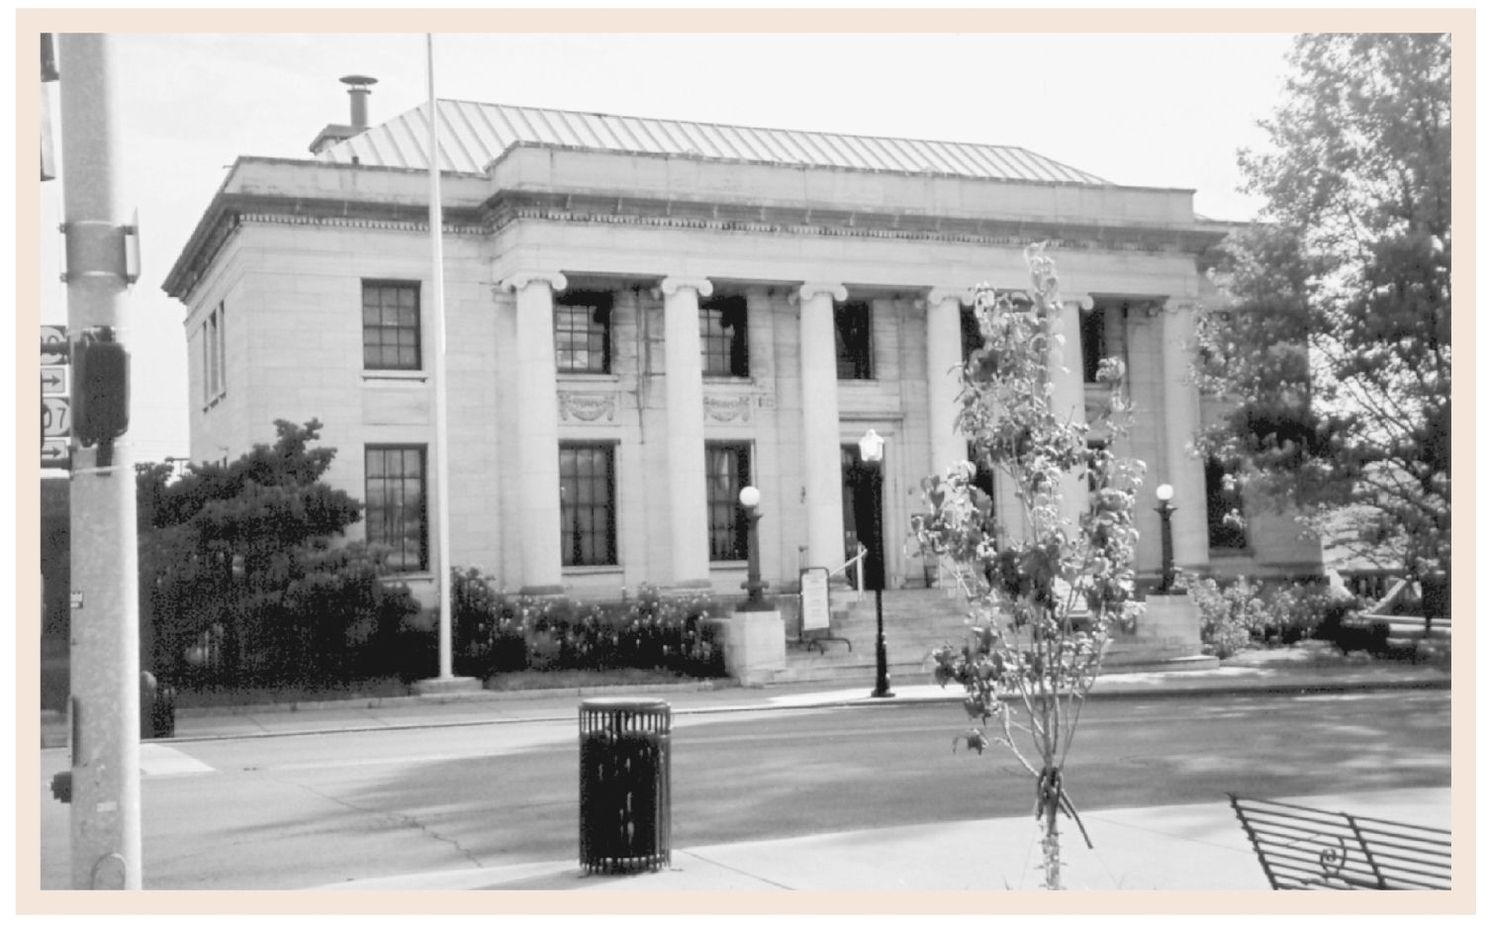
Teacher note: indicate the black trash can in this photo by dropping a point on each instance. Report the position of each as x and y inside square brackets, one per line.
[624, 791]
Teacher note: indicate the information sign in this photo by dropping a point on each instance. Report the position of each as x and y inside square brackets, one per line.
[814, 599]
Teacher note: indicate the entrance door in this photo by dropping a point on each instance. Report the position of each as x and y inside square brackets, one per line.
[861, 506]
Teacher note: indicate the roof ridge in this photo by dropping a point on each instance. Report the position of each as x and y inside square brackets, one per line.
[905, 154]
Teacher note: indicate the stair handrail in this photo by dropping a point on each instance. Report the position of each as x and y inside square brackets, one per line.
[856, 561]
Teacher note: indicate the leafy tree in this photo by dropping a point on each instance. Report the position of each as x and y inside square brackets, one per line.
[247, 550]
[1335, 357]
[1043, 606]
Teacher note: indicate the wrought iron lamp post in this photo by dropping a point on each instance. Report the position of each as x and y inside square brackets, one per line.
[871, 445]
[749, 498]
[1163, 494]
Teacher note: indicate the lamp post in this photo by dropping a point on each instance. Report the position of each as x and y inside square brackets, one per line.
[1163, 494]
[749, 498]
[871, 445]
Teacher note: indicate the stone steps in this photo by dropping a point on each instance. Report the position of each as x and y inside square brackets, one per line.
[916, 621]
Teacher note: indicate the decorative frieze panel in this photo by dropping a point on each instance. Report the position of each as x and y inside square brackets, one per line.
[587, 406]
[729, 408]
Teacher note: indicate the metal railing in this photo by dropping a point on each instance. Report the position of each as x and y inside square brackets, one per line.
[856, 561]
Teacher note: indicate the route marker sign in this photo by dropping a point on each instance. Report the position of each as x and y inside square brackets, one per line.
[56, 405]
[56, 416]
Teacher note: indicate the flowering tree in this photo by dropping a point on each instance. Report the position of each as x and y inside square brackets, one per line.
[1042, 606]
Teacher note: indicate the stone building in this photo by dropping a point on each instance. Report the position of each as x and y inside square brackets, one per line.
[644, 316]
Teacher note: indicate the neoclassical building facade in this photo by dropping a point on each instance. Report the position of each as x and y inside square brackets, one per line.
[644, 316]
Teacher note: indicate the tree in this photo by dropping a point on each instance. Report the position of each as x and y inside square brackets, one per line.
[1335, 356]
[248, 550]
[1043, 606]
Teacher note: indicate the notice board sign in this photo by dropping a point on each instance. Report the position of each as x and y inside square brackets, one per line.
[814, 598]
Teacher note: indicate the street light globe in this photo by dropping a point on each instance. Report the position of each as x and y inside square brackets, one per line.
[1164, 492]
[750, 497]
[871, 445]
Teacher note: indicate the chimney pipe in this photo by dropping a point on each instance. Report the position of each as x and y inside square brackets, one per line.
[359, 92]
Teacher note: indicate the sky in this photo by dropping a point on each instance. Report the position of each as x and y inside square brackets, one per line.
[1169, 110]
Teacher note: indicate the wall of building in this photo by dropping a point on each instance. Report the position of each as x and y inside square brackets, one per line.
[292, 285]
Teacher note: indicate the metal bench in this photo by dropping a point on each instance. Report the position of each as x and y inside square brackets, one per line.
[1301, 848]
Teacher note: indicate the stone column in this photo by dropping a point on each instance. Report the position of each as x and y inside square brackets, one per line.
[1182, 417]
[820, 440]
[1147, 440]
[945, 351]
[1068, 400]
[685, 440]
[537, 476]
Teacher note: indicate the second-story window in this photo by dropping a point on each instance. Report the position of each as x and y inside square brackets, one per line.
[853, 340]
[391, 326]
[724, 336]
[582, 327]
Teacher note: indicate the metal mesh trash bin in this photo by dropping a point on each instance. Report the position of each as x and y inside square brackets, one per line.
[624, 791]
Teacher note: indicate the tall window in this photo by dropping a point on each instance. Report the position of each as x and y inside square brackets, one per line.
[728, 470]
[587, 478]
[853, 340]
[984, 478]
[1093, 326]
[724, 336]
[391, 330]
[397, 504]
[214, 354]
[970, 338]
[582, 329]
[1224, 507]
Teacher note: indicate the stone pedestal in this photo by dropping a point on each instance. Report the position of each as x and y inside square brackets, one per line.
[754, 647]
[1168, 635]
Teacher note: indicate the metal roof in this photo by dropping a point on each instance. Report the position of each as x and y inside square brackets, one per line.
[471, 135]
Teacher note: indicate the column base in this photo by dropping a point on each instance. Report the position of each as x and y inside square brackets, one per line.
[455, 685]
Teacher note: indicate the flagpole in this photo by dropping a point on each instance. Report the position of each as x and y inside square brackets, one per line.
[440, 389]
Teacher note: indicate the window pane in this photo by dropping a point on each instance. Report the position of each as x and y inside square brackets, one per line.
[396, 516]
[390, 326]
[587, 504]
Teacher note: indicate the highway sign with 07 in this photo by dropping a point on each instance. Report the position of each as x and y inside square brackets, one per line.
[56, 416]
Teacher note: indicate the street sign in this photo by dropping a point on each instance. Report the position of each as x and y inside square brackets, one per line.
[54, 346]
[56, 453]
[56, 416]
[53, 379]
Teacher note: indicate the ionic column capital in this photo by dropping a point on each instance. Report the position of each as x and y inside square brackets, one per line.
[941, 294]
[1080, 301]
[808, 291]
[519, 281]
[672, 285]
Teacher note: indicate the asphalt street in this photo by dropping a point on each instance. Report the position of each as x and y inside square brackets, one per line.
[325, 808]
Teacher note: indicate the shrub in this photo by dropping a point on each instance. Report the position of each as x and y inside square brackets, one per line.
[496, 632]
[1242, 614]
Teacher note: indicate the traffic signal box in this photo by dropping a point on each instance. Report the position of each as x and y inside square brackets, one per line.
[100, 388]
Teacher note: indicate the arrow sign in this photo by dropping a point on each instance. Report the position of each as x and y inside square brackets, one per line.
[55, 453]
[53, 379]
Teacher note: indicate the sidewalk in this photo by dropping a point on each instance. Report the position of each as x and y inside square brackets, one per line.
[1194, 847]
[1260, 673]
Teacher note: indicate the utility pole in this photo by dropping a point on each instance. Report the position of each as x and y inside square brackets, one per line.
[104, 708]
